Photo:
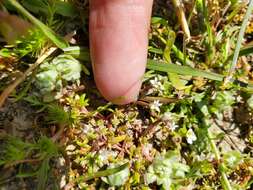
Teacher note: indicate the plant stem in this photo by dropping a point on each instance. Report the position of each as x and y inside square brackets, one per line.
[239, 41]
[211, 41]
[179, 54]
[224, 180]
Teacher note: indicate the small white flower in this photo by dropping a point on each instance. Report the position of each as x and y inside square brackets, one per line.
[104, 155]
[156, 105]
[156, 83]
[168, 119]
[239, 98]
[87, 128]
[190, 136]
[173, 126]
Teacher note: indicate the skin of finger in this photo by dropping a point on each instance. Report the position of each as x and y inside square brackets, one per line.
[118, 42]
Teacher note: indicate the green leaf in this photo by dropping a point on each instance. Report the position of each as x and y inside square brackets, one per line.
[68, 67]
[104, 173]
[240, 38]
[232, 158]
[165, 169]
[155, 50]
[81, 53]
[182, 70]
[159, 20]
[46, 80]
[150, 178]
[43, 174]
[35, 6]
[169, 44]
[177, 82]
[57, 115]
[14, 149]
[186, 70]
[25, 175]
[245, 50]
[118, 178]
[63, 8]
[52, 76]
[47, 147]
[4, 52]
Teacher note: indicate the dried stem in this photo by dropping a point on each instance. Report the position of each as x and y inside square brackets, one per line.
[19, 80]
[182, 19]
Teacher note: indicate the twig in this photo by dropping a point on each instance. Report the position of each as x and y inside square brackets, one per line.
[239, 42]
[150, 129]
[227, 137]
[58, 133]
[19, 80]
[226, 8]
[163, 100]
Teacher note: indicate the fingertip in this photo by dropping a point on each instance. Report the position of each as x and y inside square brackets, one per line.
[119, 40]
[120, 97]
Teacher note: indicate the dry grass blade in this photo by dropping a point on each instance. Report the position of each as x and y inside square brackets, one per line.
[181, 17]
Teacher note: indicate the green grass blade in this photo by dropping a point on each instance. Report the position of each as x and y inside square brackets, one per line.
[245, 50]
[78, 52]
[43, 174]
[224, 179]
[182, 70]
[185, 70]
[210, 43]
[104, 173]
[58, 41]
[240, 39]
[180, 55]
